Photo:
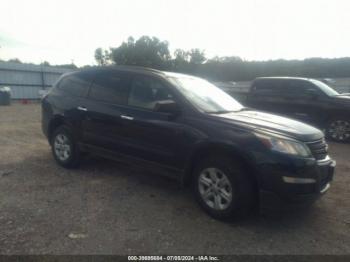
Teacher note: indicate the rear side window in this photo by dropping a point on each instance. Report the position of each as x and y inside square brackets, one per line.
[266, 87]
[298, 88]
[283, 87]
[110, 87]
[76, 84]
[293, 88]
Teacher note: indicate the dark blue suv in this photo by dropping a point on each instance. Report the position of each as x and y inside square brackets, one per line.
[184, 127]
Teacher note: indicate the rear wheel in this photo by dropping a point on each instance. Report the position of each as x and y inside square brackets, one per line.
[223, 188]
[64, 147]
[339, 130]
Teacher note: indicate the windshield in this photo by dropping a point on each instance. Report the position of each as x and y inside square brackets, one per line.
[206, 96]
[325, 88]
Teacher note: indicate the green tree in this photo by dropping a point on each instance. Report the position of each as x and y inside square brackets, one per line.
[152, 52]
[181, 62]
[101, 56]
[146, 51]
[45, 63]
[197, 56]
[68, 66]
[15, 60]
[181, 55]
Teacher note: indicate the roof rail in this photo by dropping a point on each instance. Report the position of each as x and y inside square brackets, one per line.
[137, 68]
[125, 67]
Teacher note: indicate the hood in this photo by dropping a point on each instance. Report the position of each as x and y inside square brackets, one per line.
[273, 123]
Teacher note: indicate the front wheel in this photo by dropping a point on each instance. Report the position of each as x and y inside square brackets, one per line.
[64, 148]
[223, 188]
[339, 130]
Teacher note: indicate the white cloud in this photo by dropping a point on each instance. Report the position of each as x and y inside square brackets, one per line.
[62, 30]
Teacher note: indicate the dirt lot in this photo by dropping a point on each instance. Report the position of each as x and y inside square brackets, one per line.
[116, 209]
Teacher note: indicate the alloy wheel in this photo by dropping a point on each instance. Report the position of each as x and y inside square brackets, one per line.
[339, 130]
[215, 188]
[62, 147]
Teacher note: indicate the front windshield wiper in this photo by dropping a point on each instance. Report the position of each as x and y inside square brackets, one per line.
[244, 109]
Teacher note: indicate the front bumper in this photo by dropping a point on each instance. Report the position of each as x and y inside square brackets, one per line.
[296, 181]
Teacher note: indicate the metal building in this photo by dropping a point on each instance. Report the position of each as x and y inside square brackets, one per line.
[26, 80]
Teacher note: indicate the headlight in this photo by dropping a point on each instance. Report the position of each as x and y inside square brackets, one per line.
[285, 146]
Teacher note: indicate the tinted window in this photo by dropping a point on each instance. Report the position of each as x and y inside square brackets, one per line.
[145, 92]
[298, 88]
[281, 87]
[76, 84]
[109, 87]
[266, 87]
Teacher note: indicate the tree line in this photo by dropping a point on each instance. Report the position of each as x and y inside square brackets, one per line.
[154, 53]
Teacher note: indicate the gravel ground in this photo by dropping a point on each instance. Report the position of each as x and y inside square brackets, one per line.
[108, 208]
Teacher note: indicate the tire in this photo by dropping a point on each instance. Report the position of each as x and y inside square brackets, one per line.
[338, 129]
[64, 147]
[220, 205]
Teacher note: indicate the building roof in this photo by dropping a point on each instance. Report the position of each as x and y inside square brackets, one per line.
[32, 68]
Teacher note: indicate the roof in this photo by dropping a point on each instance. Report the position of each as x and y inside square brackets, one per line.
[123, 68]
[283, 77]
[173, 74]
[139, 69]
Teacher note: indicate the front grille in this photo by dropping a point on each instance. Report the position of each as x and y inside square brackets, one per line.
[318, 148]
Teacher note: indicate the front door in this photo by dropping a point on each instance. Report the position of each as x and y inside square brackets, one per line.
[153, 136]
[302, 101]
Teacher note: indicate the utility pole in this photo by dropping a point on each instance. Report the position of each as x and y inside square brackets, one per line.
[42, 76]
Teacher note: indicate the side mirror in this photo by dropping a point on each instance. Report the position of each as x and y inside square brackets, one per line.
[167, 106]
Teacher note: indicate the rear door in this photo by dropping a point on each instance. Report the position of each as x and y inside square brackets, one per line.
[102, 125]
[265, 95]
[68, 96]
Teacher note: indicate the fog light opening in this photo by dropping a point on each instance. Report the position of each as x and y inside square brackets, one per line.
[298, 180]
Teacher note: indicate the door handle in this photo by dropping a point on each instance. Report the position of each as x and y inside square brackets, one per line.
[81, 108]
[127, 117]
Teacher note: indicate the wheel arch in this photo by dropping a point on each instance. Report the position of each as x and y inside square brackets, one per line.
[55, 122]
[208, 149]
[333, 113]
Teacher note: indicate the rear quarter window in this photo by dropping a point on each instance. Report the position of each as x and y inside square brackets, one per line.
[76, 84]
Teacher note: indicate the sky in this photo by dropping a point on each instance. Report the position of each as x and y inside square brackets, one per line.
[66, 31]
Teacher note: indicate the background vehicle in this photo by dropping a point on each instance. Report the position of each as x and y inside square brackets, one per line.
[308, 100]
[190, 130]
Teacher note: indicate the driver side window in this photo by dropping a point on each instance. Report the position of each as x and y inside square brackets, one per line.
[299, 89]
[145, 92]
